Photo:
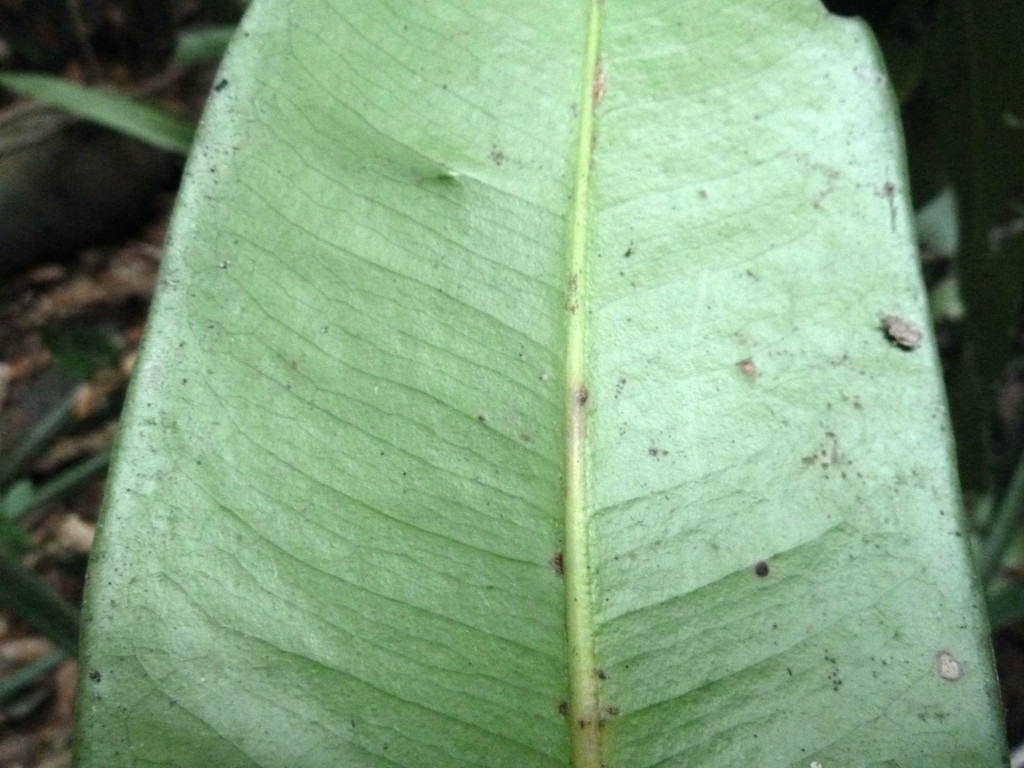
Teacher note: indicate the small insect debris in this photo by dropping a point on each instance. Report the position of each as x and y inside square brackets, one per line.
[557, 562]
[901, 333]
[582, 395]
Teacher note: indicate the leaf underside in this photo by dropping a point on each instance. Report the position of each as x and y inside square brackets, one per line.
[475, 311]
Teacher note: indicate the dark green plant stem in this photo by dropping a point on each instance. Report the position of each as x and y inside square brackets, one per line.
[33, 600]
[28, 674]
[64, 483]
[37, 439]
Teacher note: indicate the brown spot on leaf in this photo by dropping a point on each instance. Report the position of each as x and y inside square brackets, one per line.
[599, 84]
[948, 665]
[563, 708]
[558, 563]
[747, 368]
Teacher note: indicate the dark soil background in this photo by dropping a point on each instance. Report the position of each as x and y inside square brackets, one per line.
[83, 214]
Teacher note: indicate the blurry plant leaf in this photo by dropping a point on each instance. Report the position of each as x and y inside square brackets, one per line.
[517, 394]
[11, 684]
[15, 460]
[23, 498]
[80, 352]
[15, 499]
[70, 478]
[202, 45]
[937, 224]
[34, 601]
[13, 503]
[113, 110]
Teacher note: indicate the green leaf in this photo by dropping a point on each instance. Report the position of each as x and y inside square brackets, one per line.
[462, 296]
[14, 501]
[35, 601]
[141, 121]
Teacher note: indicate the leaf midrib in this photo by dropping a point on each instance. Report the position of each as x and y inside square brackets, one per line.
[584, 689]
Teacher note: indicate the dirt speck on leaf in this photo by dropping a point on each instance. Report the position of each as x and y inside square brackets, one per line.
[834, 677]
[599, 84]
[948, 665]
[901, 333]
[558, 563]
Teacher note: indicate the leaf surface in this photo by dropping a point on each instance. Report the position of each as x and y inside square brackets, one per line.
[517, 394]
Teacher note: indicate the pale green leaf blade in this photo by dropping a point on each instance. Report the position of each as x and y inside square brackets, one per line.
[451, 287]
[762, 417]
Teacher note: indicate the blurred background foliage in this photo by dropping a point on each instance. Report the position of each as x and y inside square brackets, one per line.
[98, 100]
